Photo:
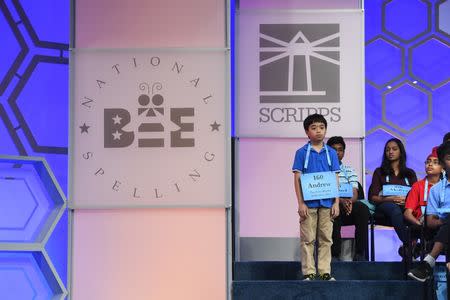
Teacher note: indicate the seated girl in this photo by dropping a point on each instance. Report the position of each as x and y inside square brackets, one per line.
[390, 184]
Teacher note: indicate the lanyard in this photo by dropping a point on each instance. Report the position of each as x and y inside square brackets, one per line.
[406, 180]
[308, 152]
[442, 195]
[425, 193]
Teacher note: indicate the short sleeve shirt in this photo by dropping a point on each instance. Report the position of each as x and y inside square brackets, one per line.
[415, 199]
[435, 200]
[318, 162]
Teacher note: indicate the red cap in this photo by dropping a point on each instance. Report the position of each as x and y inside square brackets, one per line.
[433, 153]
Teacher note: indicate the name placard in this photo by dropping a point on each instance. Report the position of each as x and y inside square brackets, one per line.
[395, 190]
[345, 190]
[319, 185]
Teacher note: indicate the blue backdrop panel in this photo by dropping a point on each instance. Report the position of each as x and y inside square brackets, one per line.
[407, 80]
[407, 75]
[34, 91]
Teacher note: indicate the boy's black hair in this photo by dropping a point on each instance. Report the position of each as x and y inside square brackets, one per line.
[386, 168]
[446, 137]
[336, 140]
[314, 118]
[442, 151]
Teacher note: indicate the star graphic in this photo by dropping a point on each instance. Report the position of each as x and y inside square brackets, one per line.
[84, 128]
[117, 119]
[214, 126]
[116, 135]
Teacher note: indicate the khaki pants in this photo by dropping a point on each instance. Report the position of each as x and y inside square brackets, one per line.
[320, 223]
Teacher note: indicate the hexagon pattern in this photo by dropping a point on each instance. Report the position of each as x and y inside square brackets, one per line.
[406, 20]
[33, 99]
[27, 205]
[413, 106]
[22, 277]
[432, 70]
[33, 204]
[404, 101]
[18, 202]
[383, 54]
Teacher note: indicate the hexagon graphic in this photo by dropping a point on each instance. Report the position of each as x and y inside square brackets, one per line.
[384, 62]
[442, 9]
[406, 20]
[44, 33]
[407, 107]
[17, 204]
[36, 89]
[34, 201]
[429, 62]
[14, 48]
[25, 275]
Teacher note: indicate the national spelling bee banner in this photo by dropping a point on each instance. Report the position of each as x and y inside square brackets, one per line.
[149, 128]
[295, 63]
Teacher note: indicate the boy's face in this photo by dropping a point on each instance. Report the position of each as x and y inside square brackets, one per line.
[340, 150]
[432, 166]
[316, 132]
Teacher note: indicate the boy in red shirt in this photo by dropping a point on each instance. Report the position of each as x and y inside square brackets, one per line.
[416, 200]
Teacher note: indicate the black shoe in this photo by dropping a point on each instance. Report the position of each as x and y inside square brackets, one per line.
[422, 272]
[309, 277]
[327, 277]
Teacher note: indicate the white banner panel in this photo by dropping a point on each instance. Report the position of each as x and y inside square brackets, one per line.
[295, 63]
[149, 24]
[149, 254]
[149, 128]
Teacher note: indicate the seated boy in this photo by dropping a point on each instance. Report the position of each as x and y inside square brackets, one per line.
[352, 212]
[416, 200]
[438, 209]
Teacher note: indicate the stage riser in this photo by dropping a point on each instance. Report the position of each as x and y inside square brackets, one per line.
[340, 270]
[344, 289]
[354, 280]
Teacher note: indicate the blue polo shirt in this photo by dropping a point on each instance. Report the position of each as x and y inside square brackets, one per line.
[318, 162]
[434, 199]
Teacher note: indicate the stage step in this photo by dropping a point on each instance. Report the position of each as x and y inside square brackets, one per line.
[354, 280]
[320, 290]
[278, 270]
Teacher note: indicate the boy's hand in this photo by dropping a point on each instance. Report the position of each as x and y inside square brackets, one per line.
[400, 200]
[302, 211]
[335, 210]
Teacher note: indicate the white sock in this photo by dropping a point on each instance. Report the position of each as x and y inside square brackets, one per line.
[430, 260]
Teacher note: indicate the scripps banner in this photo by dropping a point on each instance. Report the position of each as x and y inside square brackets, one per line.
[295, 63]
[149, 128]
